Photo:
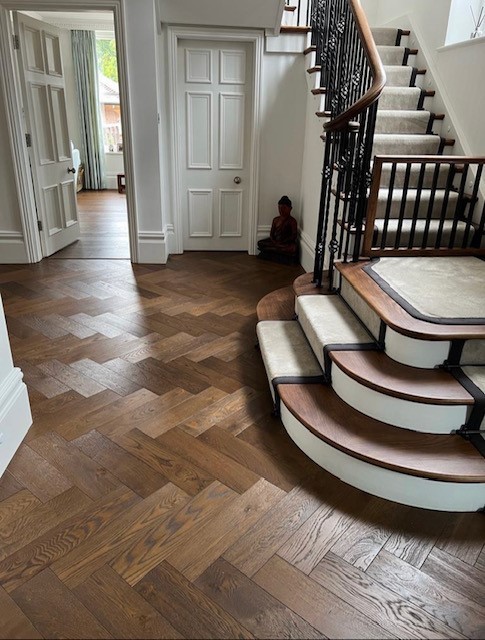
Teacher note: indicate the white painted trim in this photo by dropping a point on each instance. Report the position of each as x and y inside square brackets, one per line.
[424, 354]
[152, 247]
[417, 416]
[12, 248]
[256, 39]
[307, 251]
[15, 416]
[8, 78]
[392, 485]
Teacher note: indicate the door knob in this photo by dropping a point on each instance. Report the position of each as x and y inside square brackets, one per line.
[237, 180]
[73, 170]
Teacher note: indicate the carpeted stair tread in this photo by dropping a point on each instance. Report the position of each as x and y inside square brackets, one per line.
[419, 229]
[327, 320]
[377, 371]
[399, 98]
[398, 75]
[403, 122]
[287, 355]
[402, 144]
[414, 176]
[398, 318]
[391, 55]
[473, 353]
[425, 197]
[386, 36]
[285, 350]
[447, 458]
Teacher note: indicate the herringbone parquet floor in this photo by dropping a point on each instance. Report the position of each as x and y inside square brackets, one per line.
[155, 496]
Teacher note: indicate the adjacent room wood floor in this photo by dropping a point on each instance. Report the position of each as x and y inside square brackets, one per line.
[103, 225]
[155, 496]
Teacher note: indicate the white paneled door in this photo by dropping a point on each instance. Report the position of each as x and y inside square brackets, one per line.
[214, 103]
[44, 100]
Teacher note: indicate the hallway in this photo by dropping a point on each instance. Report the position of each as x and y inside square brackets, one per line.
[103, 224]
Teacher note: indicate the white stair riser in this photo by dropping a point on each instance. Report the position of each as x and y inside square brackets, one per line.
[417, 416]
[385, 483]
[360, 307]
[423, 354]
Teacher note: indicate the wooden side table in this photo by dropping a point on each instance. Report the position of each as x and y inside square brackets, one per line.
[121, 182]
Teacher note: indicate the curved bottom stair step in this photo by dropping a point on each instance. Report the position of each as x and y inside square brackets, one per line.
[424, 400]
[424, 470]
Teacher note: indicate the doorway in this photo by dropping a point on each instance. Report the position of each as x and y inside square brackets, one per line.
[108, 216]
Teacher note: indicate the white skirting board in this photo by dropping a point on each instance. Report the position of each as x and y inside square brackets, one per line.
[152, 247]
[15, 416]
[12, 248]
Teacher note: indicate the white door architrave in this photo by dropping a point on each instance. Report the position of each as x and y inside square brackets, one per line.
[13, 105]
[256, 40]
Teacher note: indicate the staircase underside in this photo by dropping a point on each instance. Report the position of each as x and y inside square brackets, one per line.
[424, 463]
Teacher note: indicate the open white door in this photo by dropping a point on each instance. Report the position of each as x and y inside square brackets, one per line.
[44, 99]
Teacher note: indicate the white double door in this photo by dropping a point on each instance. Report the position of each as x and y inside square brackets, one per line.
[214, 107]
[44, 101]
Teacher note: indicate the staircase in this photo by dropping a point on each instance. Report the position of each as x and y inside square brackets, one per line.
[388, 398]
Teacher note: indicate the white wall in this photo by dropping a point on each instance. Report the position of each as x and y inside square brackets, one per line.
[458, 71]
[282, 134]
[15, 416]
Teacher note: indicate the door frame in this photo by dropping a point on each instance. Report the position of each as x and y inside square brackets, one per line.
[13, 105]
[256, 40]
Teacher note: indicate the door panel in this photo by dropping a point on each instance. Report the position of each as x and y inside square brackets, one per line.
[214, 89]
[44, 102]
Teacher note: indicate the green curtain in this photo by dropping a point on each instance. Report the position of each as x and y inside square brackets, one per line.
[86, 76]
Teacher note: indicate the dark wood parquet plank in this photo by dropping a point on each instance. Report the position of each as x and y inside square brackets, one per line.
[210, 541]
[224, 469]
[133, 473]
[90, 477]
[16, 505]
[55, 611]
[138, 519]
[15, 623]
[38, 475]
[20, 532]
[160, 542]
[253, 607]
[121, 610]
[453, 608]
[253, 550]
[187, 608]
[324, 610]
[30, 560]
[458, 575]
[376, 601]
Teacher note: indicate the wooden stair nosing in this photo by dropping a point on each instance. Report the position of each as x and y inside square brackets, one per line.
[395, 316]
[309, 49]
[301, 30]
[377, 371]
[448, 458]
[304, 285]
[277, 305]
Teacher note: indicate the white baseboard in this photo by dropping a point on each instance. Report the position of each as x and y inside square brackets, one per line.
[152, 247]
[15, 416]
[12, 248]
[307, 252]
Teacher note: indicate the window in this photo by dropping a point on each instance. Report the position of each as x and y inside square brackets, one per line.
[109, 95]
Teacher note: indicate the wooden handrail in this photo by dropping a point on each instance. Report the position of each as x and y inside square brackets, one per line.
[377, 69]
[430, 159]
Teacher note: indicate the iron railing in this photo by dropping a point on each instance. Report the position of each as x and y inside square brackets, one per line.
[351, 80]
[425, 205]
[301, 9]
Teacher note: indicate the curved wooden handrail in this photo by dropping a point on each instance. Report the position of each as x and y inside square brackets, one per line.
[379, 75]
